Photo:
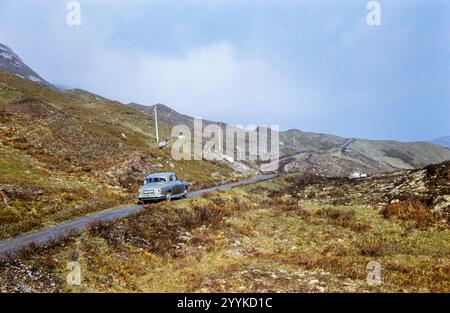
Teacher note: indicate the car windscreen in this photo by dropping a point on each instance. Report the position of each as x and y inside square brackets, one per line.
[153, 180]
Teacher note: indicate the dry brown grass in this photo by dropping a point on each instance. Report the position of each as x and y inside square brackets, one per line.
[245, 242]
[345, 219]
[409, 210]
[335, 214]
[371, 249]
[160, 231]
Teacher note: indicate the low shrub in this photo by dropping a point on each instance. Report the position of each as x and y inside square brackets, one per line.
[335, 214]
[409, 210]
[371, 250]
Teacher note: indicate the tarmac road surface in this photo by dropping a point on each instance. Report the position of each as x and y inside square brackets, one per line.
[77, 226]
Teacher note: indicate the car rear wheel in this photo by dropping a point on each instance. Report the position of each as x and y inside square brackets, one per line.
[185, 192]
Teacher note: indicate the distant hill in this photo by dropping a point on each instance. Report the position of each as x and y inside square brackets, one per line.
[170, 116]
[443, 141]
[84, 95]
[295, 141]
[11, 63]
[330, 155]
[368, 156]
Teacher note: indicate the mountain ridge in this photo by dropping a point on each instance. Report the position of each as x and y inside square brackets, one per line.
[442, 141]
[332, 155]
[10, 62]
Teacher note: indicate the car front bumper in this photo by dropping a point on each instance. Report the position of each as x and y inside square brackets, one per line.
[148, 197]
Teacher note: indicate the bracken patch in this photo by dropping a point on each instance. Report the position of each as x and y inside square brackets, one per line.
[409, 211]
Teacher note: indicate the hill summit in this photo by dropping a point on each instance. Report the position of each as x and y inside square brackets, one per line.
[10, 62]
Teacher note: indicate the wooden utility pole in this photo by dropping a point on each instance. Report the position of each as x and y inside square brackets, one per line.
[156, 124]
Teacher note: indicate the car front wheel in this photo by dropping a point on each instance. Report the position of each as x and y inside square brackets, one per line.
[169, 196]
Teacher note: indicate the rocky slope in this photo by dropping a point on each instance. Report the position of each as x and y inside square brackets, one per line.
[367, 156]
[428, 187]
[11, 63]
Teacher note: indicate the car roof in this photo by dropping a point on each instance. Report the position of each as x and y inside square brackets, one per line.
[165, 175]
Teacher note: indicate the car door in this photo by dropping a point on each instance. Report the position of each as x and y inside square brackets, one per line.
[177, 184]
[173, 185]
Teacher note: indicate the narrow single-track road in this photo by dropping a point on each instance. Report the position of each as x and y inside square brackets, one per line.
[77, 226]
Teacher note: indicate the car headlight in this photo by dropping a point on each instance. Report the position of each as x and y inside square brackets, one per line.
[158, 190]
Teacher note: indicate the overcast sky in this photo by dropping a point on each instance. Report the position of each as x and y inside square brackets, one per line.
[312, 65]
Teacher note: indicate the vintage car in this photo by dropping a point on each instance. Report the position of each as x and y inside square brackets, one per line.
[162, 186]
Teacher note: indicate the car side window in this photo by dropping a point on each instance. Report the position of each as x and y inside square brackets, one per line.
[175, 178]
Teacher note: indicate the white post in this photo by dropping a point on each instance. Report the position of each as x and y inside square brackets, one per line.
[156, 125]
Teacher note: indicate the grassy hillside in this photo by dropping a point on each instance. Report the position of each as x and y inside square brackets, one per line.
[401, 155]
[65, 154]
[296, 140]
